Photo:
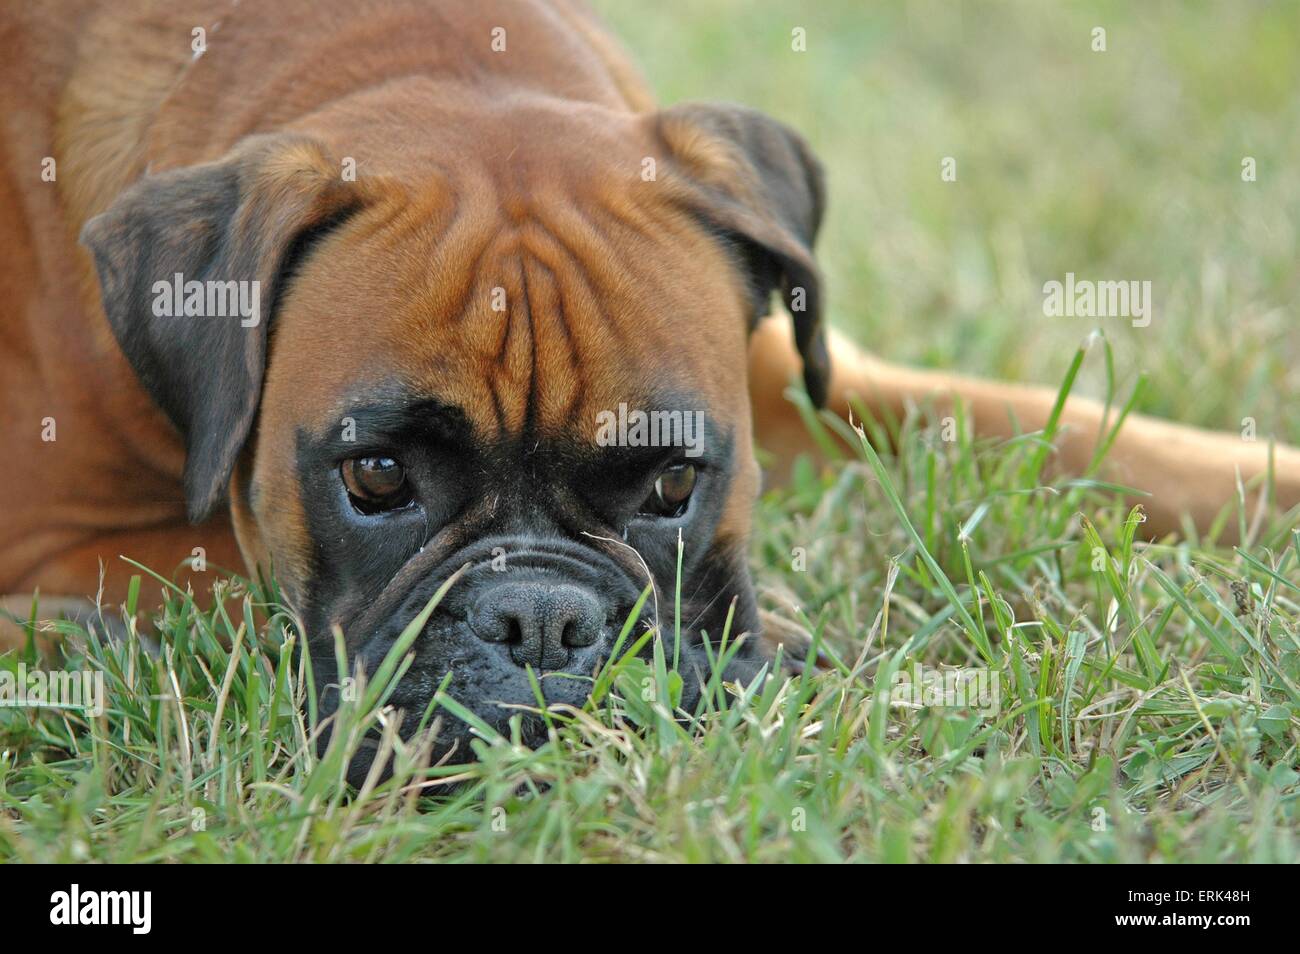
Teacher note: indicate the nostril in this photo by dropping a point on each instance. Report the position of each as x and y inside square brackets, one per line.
[576, 614]
[539, 622]
[580, 632]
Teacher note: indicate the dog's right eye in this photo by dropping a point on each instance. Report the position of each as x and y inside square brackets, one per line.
[376, 484]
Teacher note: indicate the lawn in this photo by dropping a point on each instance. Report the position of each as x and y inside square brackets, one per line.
[1145, 697]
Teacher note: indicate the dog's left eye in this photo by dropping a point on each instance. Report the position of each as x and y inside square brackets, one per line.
[376, 484]
[672, 492]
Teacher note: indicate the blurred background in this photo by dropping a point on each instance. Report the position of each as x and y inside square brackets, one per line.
[1116, 165]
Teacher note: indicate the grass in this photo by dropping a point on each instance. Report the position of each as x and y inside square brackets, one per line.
[1149, 708]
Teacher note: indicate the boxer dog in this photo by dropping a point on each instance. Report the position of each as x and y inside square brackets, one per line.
[349, 290]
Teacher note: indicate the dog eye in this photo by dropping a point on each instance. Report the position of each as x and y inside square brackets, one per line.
[672, 492]
[376, 484]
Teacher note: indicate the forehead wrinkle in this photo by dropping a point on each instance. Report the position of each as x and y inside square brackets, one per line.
[449, 338]
[537, 371]
[626, 240]
[644, 305]
[599, 314]
[568, 257]
[441, 265]
[498, 347]
[557, 381]
[646, 245]
[391, 214]
[604, 359]
[601, 289]
[416, 208]
[642, 216]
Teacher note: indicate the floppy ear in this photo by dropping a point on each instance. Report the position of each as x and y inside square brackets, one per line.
[757, 182]
[244, 219]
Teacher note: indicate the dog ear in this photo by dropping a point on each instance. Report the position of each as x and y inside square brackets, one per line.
[237, 226]
[756, 181]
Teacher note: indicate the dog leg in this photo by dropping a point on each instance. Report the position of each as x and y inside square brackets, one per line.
[1189, 472]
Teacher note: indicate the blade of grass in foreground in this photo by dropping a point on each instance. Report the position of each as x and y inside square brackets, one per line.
[378, 685]
[351, 718]
[1153, 666]
[612, 665]
[975, 633]
[1054, 418]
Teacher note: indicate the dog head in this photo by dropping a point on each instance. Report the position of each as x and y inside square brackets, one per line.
[519, 354]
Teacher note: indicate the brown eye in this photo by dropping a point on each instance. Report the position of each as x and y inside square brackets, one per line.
[672, 492]
[376, 484]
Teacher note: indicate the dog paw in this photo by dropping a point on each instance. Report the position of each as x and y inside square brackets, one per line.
[794, 641]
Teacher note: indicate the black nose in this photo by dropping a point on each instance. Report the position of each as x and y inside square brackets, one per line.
[538, 621]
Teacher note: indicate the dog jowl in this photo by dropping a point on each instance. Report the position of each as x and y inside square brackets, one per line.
[440, 346]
